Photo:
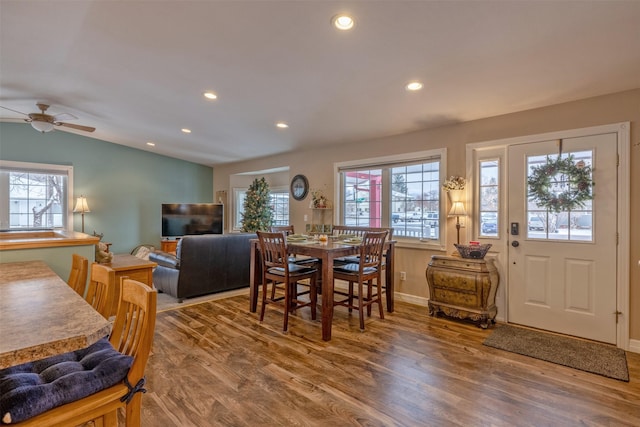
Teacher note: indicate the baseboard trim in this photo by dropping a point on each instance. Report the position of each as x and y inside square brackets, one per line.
[411, 299]
[634, 346]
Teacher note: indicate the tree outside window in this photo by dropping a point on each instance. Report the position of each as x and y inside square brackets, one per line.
[34, 196]
[403, 194]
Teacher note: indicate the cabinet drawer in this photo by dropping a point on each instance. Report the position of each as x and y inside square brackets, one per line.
[455, 281]
[456, 298]
[471, 265]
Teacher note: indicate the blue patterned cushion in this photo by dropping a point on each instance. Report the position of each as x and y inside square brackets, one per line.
[33, 388]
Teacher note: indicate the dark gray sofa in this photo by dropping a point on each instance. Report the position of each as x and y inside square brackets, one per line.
[204, 264]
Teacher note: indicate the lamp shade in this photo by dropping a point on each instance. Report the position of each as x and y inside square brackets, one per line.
[41, 126]
[457, 209]
[81, 205]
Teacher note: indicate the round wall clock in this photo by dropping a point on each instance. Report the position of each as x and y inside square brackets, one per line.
[299, 187]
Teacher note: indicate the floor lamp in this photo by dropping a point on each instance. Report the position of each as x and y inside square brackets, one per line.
[82, 207]
[457, 210]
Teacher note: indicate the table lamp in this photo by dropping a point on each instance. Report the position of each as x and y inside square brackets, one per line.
[457, 209]
[82, 207]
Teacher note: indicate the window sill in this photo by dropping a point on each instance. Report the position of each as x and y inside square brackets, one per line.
[423, 245]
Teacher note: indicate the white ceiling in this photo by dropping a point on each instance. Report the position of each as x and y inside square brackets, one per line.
[136, 70]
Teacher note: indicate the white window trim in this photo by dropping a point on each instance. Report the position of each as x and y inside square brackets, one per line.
[234, 196]
[10, 164]
[283, 189]
[234, 210]
[399, 158]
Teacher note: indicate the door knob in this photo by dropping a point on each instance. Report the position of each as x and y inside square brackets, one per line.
[515, 243]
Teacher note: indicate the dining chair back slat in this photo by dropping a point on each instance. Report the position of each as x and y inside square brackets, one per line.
[286, 229]
[78, 274]
[358, 231]
[101, 283]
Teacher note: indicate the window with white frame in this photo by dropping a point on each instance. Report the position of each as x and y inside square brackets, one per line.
[402, 192]
[35, 196]
[279, 204]
[489, 197]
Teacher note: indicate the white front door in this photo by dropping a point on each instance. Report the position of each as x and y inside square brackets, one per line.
[562, 266]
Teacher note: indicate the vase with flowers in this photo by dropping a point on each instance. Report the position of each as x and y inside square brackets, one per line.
[454, 186]
[318, 199]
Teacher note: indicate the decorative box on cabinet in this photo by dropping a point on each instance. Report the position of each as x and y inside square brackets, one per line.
[463, 288]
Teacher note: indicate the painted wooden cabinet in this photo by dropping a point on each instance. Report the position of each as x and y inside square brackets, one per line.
[463, 288]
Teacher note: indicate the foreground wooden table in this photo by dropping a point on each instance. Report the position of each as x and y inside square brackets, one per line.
[326, 252]
[40, 315]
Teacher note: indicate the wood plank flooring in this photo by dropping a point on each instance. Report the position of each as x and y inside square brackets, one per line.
[215, 364]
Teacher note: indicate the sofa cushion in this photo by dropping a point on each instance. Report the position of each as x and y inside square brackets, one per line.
[33, 388]
[165, 259]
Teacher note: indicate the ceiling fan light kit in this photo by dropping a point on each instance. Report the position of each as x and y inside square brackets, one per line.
[42, 126]
[43, 122]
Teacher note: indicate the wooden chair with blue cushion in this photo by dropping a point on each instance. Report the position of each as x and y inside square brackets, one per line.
[366, 270]
[78, 274]
[277, 269]
[89, 384]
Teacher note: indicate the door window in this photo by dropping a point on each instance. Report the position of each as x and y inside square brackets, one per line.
[489, 196]
[573, 224]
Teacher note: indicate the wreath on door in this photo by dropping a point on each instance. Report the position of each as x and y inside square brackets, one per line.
[560, 184]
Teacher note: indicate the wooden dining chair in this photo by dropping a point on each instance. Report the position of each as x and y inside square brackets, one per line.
[366, 270]
[276, 269]
[78, 274]
[349, 230]
[304, 260]
[287, 229]
[101, 282]
[132, 335]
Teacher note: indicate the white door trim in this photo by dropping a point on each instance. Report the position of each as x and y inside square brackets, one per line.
[624, 209]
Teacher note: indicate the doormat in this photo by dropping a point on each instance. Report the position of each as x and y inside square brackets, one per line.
[589, 356]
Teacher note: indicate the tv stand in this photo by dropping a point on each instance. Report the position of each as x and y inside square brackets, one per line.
[169, 245]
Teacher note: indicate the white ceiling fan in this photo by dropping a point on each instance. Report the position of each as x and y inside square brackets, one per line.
[43, 122]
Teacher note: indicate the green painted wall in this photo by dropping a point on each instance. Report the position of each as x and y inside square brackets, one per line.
[58, 258]
[124, 186]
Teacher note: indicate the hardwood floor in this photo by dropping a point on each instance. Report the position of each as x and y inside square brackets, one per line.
[214, 364]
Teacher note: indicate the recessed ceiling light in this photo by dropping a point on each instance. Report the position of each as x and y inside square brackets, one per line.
[151, 144]
[343, 22]
[282, 125]
[210, 95]
[185, 130]
[414, 86]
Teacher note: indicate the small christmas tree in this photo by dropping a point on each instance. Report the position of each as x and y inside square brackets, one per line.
[258, 214]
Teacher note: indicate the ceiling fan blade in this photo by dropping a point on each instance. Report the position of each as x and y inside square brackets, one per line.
[64, 116]
[78, 127]
[15, 111]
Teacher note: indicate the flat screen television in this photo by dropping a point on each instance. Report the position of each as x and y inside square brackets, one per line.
[183, 219]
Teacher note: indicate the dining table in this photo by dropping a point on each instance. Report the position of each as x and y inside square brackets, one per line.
[41, 316]
[326, 252]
